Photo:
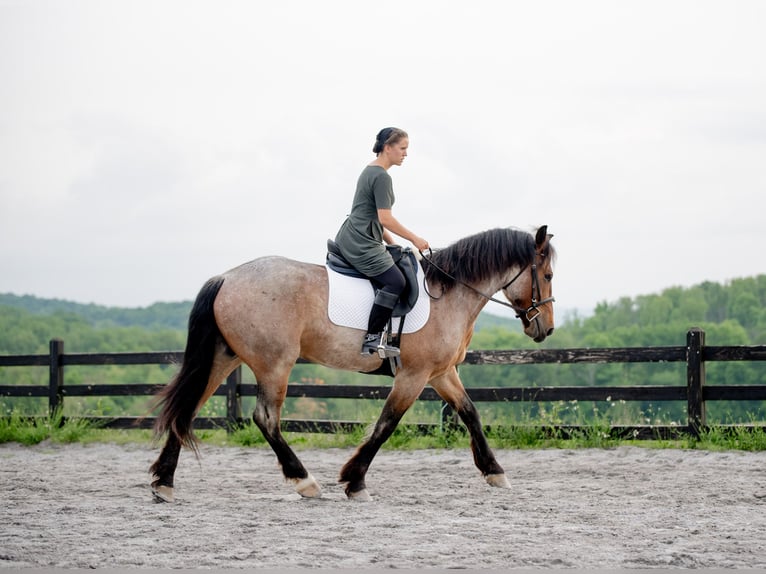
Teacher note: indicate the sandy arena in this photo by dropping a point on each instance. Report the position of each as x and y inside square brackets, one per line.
[73, 506]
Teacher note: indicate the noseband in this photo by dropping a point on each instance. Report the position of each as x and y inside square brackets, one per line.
[536, 294]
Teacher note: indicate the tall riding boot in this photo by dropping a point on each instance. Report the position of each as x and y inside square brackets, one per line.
[376, 339]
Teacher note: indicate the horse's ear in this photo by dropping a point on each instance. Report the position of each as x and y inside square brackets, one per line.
[542, 235]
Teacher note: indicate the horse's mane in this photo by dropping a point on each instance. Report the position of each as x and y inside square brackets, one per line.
[480, 256]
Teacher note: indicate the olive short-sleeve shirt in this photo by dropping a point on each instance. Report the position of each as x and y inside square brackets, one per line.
[360, 238]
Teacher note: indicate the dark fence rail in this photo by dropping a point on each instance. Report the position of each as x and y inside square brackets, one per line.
[695, 392]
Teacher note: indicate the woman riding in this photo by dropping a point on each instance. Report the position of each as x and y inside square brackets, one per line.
[363, 235]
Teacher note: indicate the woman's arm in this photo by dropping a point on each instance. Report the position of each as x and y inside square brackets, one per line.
[390, 223]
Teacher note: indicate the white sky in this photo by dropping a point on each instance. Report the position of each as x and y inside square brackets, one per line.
[146, 146]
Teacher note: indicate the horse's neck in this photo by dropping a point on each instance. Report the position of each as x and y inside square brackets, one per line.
[472, 299]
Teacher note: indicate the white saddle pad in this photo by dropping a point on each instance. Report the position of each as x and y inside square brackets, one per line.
[351, 299]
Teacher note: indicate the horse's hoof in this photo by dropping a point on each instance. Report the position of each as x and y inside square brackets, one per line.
[360, 495]
[162, 493]
[308, 487]
[498, 480]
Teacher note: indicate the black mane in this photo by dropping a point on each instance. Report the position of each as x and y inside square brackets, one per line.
[480, 256]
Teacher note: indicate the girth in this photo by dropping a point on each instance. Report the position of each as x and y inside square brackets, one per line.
[404, 259]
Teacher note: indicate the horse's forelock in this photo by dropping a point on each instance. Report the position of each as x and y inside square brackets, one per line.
[481, 256]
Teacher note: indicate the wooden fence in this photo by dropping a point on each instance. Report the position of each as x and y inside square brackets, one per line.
[694, 392]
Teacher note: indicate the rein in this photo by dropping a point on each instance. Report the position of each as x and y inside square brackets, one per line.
[536, 301]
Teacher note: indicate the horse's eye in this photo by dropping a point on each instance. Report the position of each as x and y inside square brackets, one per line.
[549, 277]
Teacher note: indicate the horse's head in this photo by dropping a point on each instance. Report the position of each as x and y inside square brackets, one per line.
[531, 292]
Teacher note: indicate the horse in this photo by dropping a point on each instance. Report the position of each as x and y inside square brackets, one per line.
[272, 311]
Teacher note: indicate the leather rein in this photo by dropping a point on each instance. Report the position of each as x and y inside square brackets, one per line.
[536, 294]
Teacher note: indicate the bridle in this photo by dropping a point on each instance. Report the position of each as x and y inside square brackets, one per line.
[537, 300]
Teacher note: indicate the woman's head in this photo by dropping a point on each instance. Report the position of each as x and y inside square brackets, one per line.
[388, 136]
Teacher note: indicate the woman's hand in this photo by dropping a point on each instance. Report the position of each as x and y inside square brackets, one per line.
[420, 243]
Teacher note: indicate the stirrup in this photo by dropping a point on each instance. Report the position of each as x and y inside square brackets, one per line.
[377, 344]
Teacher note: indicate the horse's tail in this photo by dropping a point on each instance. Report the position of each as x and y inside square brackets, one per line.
[180, 398]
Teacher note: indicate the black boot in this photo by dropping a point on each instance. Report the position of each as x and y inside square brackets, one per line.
[376, 339]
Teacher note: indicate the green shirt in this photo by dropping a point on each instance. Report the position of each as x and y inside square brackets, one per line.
[360, 238]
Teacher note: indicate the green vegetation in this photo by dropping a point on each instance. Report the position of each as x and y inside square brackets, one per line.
[56, 430]
[26, 431]
[731, 314]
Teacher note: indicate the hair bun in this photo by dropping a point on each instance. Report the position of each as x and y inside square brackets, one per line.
[382, 139]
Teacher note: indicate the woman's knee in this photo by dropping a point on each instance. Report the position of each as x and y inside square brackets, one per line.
[392, 280]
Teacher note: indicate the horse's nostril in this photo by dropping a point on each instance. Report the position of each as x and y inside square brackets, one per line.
[550, 331]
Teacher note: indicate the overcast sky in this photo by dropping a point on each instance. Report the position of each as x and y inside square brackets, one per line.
[146, 146]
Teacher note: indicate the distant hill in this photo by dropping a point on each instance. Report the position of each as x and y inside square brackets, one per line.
[155, 317]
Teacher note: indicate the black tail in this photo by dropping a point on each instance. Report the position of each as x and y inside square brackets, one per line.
[179, 399]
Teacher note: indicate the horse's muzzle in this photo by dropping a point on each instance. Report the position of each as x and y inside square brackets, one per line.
[542, 335]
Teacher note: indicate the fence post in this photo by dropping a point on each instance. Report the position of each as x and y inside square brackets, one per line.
[55, 377]
[695, 380]
[233, 400]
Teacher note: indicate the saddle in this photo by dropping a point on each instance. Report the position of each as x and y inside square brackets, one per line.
[403, 257]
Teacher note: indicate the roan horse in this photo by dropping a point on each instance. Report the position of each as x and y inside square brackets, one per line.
[271, 311]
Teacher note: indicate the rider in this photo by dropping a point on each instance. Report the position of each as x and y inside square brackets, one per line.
[361, 237]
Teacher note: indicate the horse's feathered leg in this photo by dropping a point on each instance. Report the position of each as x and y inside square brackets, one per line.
[271, 396]
[451, 389]
[404, 392]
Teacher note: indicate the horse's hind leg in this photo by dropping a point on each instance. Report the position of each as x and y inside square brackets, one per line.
[164, 469]
[272, 390]
[451, 389]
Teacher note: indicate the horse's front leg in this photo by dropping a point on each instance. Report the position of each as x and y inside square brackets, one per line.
[450, 388]
[405, 391]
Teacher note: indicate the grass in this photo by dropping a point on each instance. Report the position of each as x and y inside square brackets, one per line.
[72, 430]
[29, 431]
[733, 438]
